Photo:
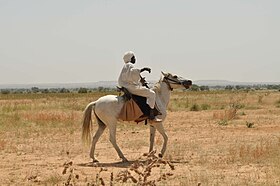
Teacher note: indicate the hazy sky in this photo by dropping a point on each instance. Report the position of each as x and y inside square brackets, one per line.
[68, 41]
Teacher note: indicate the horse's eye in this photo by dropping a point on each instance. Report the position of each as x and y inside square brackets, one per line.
[175, 76]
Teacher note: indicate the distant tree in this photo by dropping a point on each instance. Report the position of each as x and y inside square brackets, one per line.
[64, 90]
[238, 87]
[195, 87]
[100, 89]
[204, 88]
[229, 87]
[5, 91]
[35, 89]
[82, 90]
[45, 91]
[273, 87]
[19, 91]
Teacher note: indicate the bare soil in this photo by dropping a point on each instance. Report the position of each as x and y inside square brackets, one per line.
[202, 151]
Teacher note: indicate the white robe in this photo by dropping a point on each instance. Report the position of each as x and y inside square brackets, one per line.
[130, 79]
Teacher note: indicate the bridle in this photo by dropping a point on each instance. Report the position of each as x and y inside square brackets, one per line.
[169, 81]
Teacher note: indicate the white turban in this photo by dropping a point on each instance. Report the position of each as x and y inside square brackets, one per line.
[127, 56]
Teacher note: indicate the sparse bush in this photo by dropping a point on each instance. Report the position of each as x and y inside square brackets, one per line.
[223, 122]
[243, 113]
[140, 172]
[249, 124]
[195, 107]
[229, 114]
[260, 99]
[205, 106]
[278, 103]
[237, 105]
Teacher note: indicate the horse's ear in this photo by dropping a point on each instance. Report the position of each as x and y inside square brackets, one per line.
[164, 74]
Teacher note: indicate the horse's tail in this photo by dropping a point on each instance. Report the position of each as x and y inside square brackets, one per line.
[87, 123]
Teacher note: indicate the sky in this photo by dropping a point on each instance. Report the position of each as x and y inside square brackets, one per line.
[70, 41]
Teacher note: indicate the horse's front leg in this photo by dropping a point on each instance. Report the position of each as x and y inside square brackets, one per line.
[152, 137]
[161, 130]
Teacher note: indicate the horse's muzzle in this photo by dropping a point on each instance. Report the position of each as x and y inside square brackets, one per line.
[187, 83]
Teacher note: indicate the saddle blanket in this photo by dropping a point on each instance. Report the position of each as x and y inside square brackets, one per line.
[130, 111]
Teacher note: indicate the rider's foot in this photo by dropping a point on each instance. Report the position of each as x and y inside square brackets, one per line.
[152, 116]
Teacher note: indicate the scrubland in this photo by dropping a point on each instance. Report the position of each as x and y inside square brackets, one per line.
[215, 138]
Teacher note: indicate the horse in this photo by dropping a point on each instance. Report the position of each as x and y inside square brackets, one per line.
[107, 108]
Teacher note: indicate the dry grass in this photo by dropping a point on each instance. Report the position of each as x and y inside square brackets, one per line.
[38, 132]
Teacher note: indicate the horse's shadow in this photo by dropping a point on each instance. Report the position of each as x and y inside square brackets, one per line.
[121, 164]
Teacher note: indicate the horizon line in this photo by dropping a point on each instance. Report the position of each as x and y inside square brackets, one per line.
[57, 83]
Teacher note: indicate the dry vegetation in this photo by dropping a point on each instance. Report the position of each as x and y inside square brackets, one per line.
[215, 138]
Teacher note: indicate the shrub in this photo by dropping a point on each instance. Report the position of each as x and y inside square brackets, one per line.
[195, 107]
[223, 122]
[278, 103]
[243, 113]
[249, 124]
[205, 106]
[230, 114]
[260, 99]
[237, 105]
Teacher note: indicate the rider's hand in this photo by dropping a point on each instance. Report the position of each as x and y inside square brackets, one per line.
[146, 69]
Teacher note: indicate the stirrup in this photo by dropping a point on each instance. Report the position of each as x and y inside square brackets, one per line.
[155, 120]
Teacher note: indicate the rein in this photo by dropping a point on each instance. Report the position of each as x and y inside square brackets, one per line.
[167, 81]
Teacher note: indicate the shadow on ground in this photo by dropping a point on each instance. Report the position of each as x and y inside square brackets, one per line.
[121, 164]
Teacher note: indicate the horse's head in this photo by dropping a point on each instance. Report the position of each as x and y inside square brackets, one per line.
[174, 81]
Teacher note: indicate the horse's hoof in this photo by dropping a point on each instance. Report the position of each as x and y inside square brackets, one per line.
[160, 155]
[95, 161]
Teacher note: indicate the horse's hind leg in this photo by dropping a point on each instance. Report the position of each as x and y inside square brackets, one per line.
[99, 132]
[152, 137]
[112, 130]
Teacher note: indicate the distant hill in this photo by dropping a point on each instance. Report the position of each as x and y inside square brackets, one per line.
[107, 84]
[113, 84]
[233, 83]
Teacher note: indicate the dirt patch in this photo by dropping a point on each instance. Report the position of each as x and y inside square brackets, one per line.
[199, 151]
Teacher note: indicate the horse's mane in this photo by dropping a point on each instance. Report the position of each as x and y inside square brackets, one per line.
[157, 85]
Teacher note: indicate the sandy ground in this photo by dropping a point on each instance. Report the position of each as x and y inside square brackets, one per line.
[202, 151]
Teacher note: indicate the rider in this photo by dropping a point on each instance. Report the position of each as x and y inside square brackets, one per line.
[130, 79]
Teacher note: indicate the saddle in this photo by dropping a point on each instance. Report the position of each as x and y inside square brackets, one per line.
[135, 107]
